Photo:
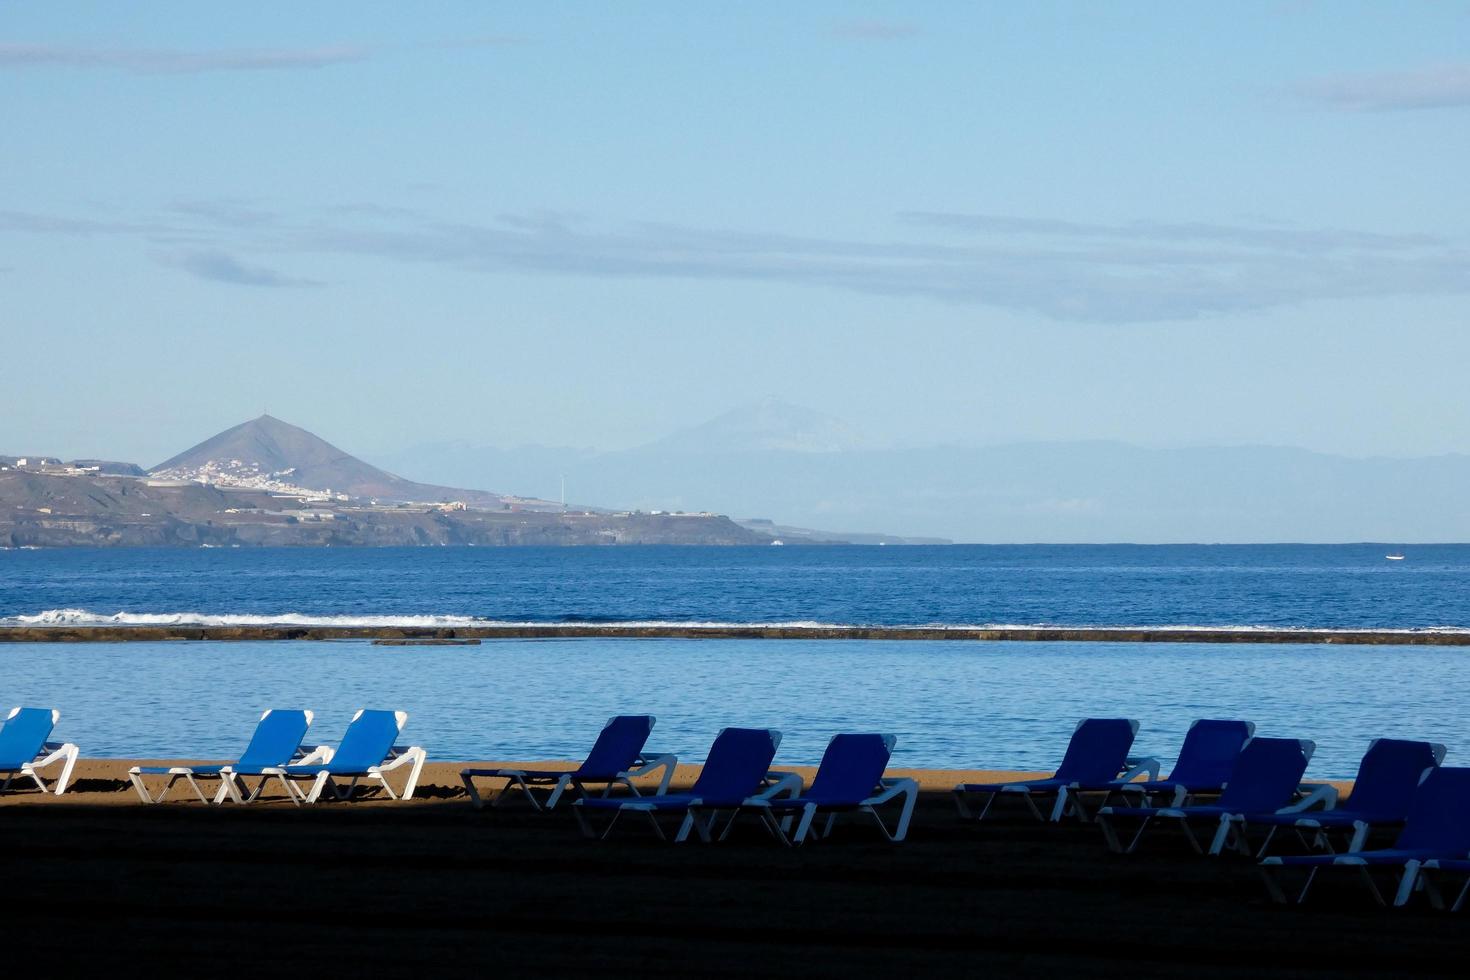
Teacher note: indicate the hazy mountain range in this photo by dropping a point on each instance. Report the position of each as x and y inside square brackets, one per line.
[800, 467]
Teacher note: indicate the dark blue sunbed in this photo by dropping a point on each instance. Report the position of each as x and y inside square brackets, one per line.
[849, 780]
[1437, 828]
[1206, 759]
[617, 758]
[738, 767]
[1097, 754]
[1388, 777]
[1266, 777]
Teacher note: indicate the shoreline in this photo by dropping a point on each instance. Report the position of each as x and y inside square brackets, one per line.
[103, 782]
[533, 631]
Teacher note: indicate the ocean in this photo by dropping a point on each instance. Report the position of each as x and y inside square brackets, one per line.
[952, 704]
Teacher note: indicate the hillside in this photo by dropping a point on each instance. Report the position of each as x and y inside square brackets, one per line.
[267, 482]
[46, 510]
[271, 454]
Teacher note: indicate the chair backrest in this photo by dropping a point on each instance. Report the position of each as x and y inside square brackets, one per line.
[1389, 776]
[737, 764]
[618, 745]
[851, 768]
[1439, 815]
[1098, 750]
[1209, 751]
[277, 737]
[24, 735]
[368, 739]
[1266, 775]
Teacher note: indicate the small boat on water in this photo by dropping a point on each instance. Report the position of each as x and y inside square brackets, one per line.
[1394, 557]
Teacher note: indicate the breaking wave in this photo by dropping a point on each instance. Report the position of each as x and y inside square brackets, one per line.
[85, 617]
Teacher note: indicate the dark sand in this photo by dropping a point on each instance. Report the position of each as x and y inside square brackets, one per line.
[399, 888]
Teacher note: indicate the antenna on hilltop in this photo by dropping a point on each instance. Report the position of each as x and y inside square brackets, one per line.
[563, 492]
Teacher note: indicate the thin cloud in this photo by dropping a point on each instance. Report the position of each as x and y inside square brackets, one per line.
[873, 30]
[230, 212]
[46, 224]
[218, 266]
[1440, 87]
[1290, 239]
[1132, 272]
[173, 61]
[1064, 275]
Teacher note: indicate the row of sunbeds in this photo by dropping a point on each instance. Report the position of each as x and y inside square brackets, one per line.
[1226, 780]
[1237, 786]
[736, 778]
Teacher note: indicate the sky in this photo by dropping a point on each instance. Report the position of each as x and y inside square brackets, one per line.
[591, 224]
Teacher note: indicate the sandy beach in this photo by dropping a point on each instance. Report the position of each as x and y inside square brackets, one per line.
[434, 883]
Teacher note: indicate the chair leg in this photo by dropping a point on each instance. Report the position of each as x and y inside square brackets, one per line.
[556, 793]
[1407, 883]
[137, 780]
[1373, 888]
[804, 825]
[1273, 887]
[773, 826]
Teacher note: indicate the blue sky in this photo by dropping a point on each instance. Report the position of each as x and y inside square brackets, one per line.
[578, 224]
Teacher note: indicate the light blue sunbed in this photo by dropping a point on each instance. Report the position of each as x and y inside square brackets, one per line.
[25, 748]
[366, 752]
[278, 741]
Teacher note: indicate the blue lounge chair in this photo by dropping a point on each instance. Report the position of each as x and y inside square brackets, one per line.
[1388, 778]
[277, 742]
[1436, 829]
[617, 757]
[1430, 873]
[849, 780]
[1097, 754]
[738, 768]
[367, 751]
[1266, 777]
[24, 748]
[1210, 750]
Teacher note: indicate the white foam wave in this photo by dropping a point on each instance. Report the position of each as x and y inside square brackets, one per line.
[84, 617]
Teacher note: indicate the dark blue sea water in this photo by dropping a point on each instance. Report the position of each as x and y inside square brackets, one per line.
[952, 704]
[1323, 586]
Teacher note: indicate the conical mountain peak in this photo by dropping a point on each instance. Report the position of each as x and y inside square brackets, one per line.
[269, 453]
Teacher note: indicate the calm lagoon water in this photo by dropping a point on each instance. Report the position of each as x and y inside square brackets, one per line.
[1000, 705]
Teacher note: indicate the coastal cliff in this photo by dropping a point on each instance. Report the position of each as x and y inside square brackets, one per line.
[88, 510]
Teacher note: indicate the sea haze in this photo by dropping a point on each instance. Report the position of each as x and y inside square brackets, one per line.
[1284, 586]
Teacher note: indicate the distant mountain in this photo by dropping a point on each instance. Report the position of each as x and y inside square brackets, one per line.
[267, 453]
[1028, 492]
[770, 426]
